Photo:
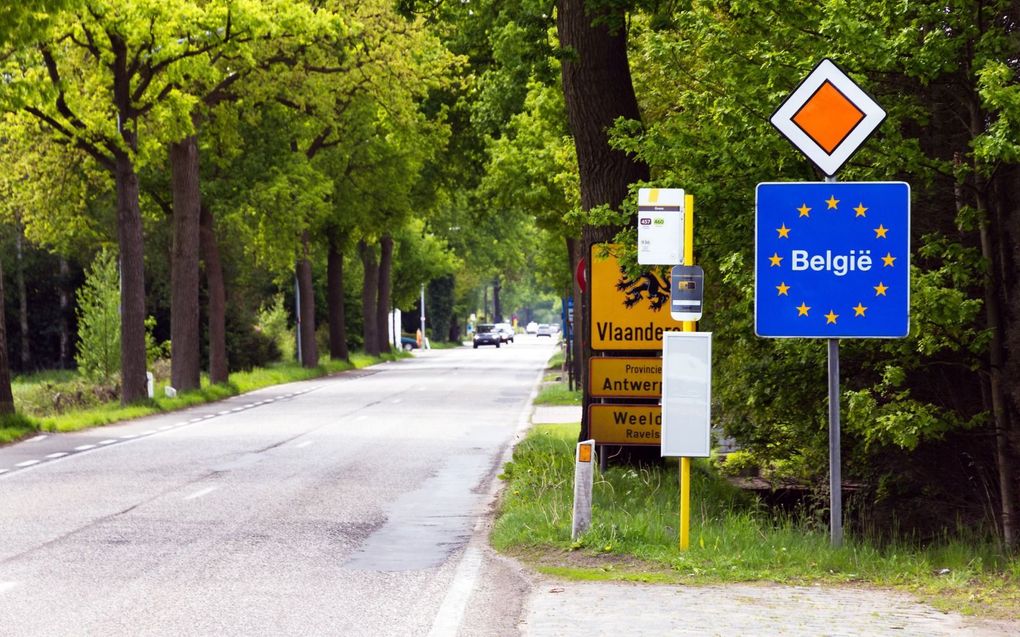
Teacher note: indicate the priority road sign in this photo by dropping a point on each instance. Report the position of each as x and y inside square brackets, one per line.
[828, 117]
[832, 260]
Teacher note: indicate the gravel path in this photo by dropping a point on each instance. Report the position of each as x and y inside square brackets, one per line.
[561, 609]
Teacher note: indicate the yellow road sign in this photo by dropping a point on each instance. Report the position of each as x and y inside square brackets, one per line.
[625, 377]
[625, 424]
[627, 313]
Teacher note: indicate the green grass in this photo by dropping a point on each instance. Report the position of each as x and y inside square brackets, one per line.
[36, 396]
[733, 538]
[558, 394]
[445, 345]
[554, 389]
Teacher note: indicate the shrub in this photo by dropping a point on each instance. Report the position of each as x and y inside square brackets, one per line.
[98, 299]
[247, 346]
[273, 323]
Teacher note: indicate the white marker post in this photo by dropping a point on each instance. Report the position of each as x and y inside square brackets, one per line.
[584, 477]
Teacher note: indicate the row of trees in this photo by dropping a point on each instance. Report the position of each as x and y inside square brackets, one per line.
[274, 139]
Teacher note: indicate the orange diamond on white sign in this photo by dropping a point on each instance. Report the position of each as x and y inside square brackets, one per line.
[828, 117]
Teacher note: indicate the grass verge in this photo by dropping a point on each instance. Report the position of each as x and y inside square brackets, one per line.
[733, 539]
[554, 390]
[34, 396]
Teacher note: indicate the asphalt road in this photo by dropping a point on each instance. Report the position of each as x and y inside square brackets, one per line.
[344, 506]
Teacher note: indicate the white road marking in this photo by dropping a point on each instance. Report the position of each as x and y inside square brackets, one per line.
[109, 441]
[360, 418]
[195, 419]
[398, 400]
[209, 416]
[303, 444]
[3, 471]
[27, 463]
[147, 433]
[222, 413]
[181, 423]
[59, 454]
[451, 611]
[199, 494]
[249, 405]
[37, 438]
[237, 409]
[129, 436]
[6, 586]
[165, 427]
[84, 447]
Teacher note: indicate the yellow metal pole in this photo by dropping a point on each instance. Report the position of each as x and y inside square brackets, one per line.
[689, 326]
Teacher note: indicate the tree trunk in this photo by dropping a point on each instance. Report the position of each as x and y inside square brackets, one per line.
[335, 294]
[368, 300]
[65, 309]
[6, 395]
[309, 348]
[383, 302]
[132, 282]
[185, 364]
[597, 90]
[218, 370]
[497, 303]
[997, 385]
[26, 350]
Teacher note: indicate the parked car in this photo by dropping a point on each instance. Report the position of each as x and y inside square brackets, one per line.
[407, 343]
[506, 332]
[544, 330]
[531, 328]
[486, 334]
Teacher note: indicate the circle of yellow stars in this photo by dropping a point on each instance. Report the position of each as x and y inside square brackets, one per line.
[888, 261]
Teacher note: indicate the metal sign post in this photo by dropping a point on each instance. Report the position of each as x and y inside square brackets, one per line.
[835, 455]
[825, 267]
[689, 326]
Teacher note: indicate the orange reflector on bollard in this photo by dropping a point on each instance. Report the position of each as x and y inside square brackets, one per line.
[584, 452]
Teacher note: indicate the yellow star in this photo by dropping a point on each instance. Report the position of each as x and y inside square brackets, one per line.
[887, 260]
[880, 289]
[832, 201]
[775, 260]
[784, 232]
[860, 210]
[802, 309]
[859, 309]
[880, 232]
[831, 317]
[783, 289]
[804, 210]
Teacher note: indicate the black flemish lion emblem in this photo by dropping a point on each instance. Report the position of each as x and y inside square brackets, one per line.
[646, 286]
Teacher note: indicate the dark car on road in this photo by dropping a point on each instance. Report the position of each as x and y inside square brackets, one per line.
[486, 334]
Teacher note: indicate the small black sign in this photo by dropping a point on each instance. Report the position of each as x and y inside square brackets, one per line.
[687, 292]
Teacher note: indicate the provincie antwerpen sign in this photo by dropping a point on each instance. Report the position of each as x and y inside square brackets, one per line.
[627, 313]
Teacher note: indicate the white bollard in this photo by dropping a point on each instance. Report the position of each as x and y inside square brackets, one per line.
[150, 382]
[170, 392]
[584, 476]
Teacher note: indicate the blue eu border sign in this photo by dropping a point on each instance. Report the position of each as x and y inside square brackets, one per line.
[832, 260]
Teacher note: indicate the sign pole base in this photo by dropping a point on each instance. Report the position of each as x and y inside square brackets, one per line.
[685, 503]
